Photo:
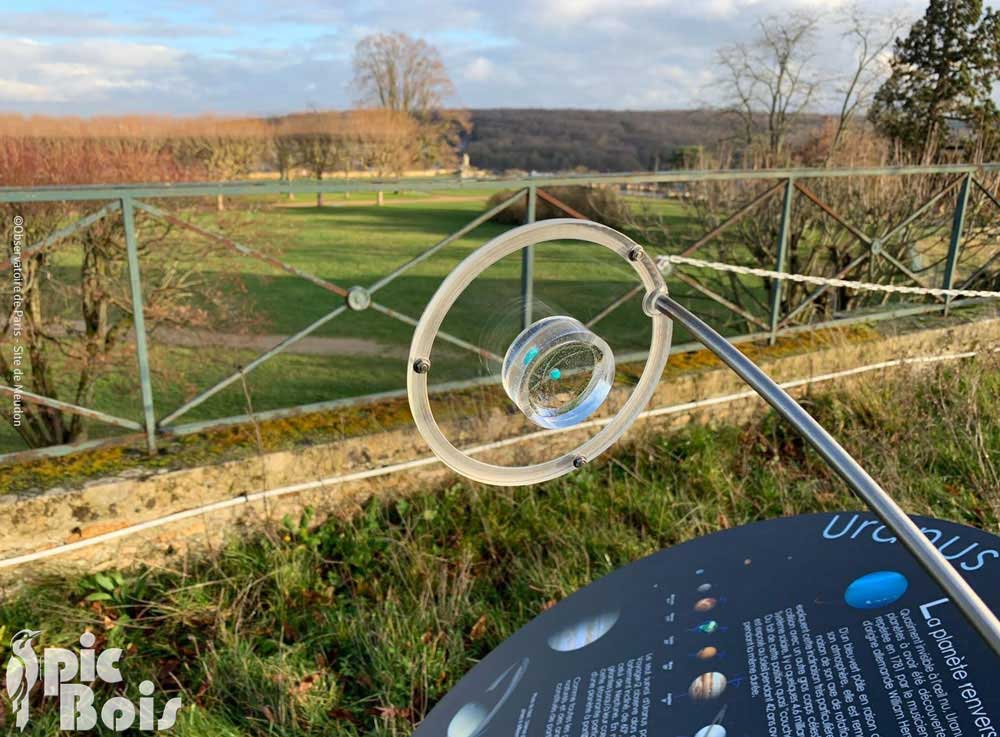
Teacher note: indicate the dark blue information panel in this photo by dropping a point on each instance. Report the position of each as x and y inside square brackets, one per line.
[821, 625]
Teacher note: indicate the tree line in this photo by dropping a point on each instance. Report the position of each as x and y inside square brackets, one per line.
[927, 96]
[399, 123]
[378, 141]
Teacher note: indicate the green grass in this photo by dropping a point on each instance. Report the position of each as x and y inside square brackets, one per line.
[353, 244]
[359, 626]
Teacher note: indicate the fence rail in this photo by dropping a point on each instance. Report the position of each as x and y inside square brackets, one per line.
[779, 317]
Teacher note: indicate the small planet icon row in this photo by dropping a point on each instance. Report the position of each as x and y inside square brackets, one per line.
[708, 685]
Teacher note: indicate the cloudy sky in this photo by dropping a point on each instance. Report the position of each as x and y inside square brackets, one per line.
[274, 56]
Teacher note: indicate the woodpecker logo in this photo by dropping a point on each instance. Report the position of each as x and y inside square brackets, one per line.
[65, 675]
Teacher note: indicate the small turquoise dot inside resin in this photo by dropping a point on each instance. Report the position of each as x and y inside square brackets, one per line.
[555, 374]
[530, 356]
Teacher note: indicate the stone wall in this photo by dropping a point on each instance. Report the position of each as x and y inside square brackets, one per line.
[76, 517]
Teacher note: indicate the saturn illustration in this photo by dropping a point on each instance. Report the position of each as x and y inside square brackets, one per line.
[712, 730]
[466, 721]
[707, 686]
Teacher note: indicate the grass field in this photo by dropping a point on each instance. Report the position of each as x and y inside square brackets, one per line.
[351, 242]
[359, 626]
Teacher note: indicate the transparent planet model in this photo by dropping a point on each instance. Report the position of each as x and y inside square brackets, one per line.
[558, 372]
[583, 633]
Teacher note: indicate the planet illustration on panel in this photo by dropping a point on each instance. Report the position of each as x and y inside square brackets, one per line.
[706, 605]
[708, 627]
[712, 730]
[707, 653]
[583, 633]
[707, 686]
[704, 588]
[467, 720]
[876, 590]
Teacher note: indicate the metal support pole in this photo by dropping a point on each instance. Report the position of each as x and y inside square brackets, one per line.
[930, 558]
[776, 285]
[141, 348]
[528, 264]
[957, 226]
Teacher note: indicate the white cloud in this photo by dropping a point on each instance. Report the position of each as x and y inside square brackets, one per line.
[479, 69]
[281, 55]
[88, 70]
[14, 91]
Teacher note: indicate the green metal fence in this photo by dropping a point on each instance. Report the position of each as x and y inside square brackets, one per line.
[787, 190]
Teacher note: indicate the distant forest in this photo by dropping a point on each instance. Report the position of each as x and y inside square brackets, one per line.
[547, 140]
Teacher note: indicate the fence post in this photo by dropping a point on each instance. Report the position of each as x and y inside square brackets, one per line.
[141, 349]
[776, 285]
[528, 264]
[957, 226]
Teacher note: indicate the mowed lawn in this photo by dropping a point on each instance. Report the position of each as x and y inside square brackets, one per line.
[350, 242]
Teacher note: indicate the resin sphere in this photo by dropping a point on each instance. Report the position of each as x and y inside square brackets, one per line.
[558, 372]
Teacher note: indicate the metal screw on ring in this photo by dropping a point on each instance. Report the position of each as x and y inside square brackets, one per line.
[421, 365]
[635, 254]
[876, 246]
[579, 462]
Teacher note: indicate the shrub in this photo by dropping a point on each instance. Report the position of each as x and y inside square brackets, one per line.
[600, 204]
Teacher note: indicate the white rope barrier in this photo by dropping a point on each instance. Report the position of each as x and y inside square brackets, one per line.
[663, 261]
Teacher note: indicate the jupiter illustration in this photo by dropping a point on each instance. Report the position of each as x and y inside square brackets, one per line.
[707, 686]
[706, 605]
[583, 633]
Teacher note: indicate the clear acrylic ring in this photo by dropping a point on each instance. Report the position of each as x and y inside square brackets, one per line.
[419, 368]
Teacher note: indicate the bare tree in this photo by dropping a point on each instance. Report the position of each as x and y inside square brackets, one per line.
[399, 73]
[321, 142]
[771, 79]
[387, 141]
[74, 327]
[283, 150]
[872, 37]
[225, 149]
